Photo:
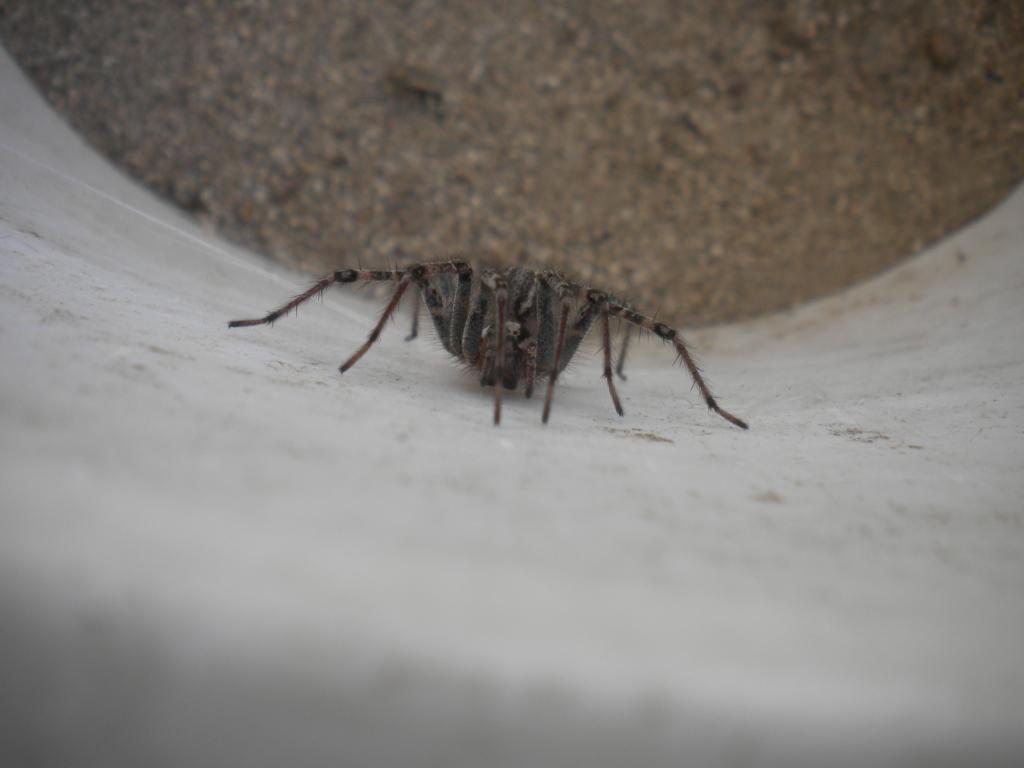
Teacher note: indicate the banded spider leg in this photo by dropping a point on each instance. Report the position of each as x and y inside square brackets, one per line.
[405, 277]
[672, 336]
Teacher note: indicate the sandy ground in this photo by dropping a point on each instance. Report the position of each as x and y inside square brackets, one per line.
[709, 160]
[213, 550]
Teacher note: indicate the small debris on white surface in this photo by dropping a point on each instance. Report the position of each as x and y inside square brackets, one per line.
[215, 550]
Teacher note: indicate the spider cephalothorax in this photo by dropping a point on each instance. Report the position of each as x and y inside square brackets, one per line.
[514, 325]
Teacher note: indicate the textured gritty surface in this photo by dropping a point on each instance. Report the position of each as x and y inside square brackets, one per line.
[710, 160]
[215, 551]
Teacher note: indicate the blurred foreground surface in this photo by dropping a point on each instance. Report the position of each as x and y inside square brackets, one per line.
[215, 551]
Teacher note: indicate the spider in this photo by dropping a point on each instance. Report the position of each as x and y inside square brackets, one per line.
[516, 325]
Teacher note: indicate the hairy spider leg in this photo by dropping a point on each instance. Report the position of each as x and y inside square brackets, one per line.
[663, 331]
[319, 287]
[566, 342]
[415, 330]
[490, 357]
[351, 276]
[622, 355]
[563, 319]
[583, 320]
[606, 346]
[419, 273]
[396, 297]
[501, 297]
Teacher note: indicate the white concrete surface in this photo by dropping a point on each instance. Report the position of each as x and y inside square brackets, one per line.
[216, 551]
